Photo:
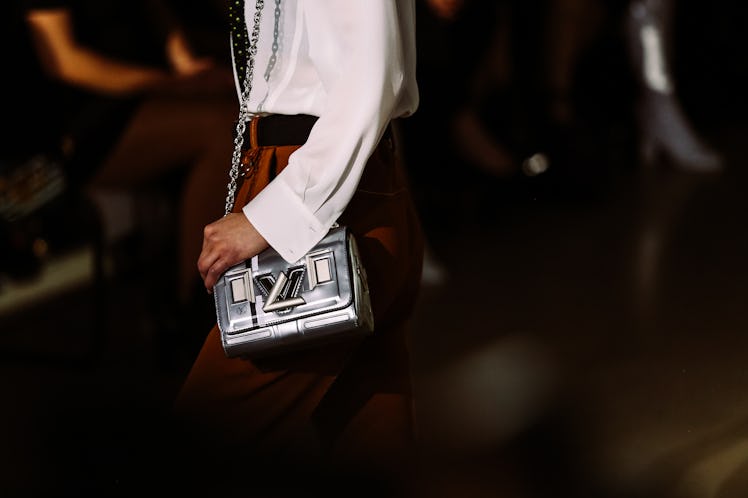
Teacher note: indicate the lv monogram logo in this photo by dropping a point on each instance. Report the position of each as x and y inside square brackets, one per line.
[282, 292]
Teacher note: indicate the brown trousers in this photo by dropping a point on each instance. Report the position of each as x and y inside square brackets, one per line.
[353, 400]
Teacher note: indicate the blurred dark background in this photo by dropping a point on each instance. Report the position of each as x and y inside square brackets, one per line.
[581, 329]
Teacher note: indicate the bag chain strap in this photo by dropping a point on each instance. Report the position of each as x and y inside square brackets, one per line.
[244, 113]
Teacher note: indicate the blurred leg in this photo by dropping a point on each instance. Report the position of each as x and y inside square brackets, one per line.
[665, 132]
[189, 135]
[572, 25]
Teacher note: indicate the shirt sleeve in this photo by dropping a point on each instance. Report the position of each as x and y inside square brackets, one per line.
[356, 49]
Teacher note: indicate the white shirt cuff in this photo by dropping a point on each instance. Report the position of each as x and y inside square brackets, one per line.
[284, 221]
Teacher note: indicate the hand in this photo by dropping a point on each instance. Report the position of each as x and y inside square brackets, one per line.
[226, 242]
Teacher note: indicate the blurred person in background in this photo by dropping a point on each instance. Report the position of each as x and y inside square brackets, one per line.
[31, 177]
[457, 68]
[462, 63]
[665, 134]
[665, 131]
[500, 84]
[138, 108]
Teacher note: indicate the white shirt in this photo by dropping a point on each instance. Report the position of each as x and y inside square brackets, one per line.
[350, 62]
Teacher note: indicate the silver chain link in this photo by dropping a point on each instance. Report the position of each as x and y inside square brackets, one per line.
[276, 38]
[244, 113]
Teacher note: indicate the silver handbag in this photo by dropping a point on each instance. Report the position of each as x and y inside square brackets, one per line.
[264, 305]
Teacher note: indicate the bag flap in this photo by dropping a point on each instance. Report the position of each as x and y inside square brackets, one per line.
[266, 290]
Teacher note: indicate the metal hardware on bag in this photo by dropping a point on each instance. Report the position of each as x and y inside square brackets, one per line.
[251, 161]
[279, 298]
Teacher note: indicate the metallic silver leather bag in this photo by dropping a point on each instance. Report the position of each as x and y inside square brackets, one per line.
[264, 305]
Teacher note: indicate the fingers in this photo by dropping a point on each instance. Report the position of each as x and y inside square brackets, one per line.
[212, 276]
[211, 268]
[210, 263]
[218, 253]
[205, 263]
[225, 243]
